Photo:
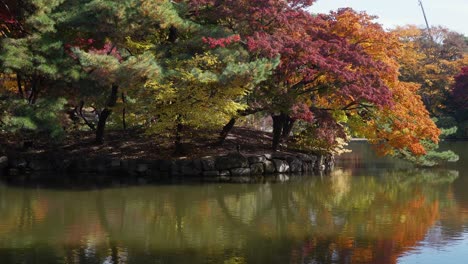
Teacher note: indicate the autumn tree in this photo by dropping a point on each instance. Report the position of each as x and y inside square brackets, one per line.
[432, 61]
[459, 99]
[313, 60]
[405, 128]
[460, 88]
[203, 78]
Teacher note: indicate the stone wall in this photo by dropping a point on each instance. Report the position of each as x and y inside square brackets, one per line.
[232, 167]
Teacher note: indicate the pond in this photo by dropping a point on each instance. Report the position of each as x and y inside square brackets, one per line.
[368, 210]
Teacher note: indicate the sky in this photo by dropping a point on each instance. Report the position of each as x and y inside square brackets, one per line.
[452, 14]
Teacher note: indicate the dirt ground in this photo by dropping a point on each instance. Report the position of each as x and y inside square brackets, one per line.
[133, 144]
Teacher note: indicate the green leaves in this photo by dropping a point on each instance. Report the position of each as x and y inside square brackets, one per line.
[44, 116]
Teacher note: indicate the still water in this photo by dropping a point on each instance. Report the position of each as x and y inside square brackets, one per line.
[368, 211]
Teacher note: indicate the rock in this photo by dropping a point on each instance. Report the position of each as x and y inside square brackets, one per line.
[280, 156]
[240, 172]
[211, 173]
[13, 172]
[96, 165]
[329, 163]
[208, 164]
[197, 164]
[190, 167]
[142, 181]
[231, 161]
[319, 163]
[101, 168]
[281, 166]
[175, 168]
[256, 159]
[225, 173]
[224, 178]
[142, 168]
[3, 165]
[115, 164]
[19, 163]
[295, 165]
[39, 165]
[3, 162]
[190, 171]
[128, 165]
[306, 158]
[269, 167]
[257, 169]
[164, 165]
[307, 167]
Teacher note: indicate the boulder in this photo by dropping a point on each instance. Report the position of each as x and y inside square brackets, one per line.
[231, 161]
[189, 171]
[269, 167]
[19, 163]
[39, 165]
[281, 166]
[142, 168]
[257, 169]
[190, 167]
[240, 172]
[256, 159]
[329, 162]
[319, 163]
[225, 173]
[3, 164]
[164, 165]
[13, 172]
[208, 164]
[211, 173]
[114, 164]
[128, 165]
[307, 167]
[176, 168]
[295, 165]
[280, 156]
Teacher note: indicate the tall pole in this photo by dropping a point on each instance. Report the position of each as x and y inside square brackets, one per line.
[425, 19]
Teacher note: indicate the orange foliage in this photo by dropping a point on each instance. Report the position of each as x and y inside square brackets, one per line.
[403, 125]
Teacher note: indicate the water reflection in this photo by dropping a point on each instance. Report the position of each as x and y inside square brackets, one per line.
[351, 216]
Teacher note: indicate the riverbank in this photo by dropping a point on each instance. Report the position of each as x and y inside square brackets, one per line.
[244, 156]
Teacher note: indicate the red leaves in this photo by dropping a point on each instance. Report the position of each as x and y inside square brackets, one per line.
[89, 44]
[7, 19]
[221, 42]
[460, 89]
[302, 112]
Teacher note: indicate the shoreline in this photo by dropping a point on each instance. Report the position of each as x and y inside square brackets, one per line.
[233, 167]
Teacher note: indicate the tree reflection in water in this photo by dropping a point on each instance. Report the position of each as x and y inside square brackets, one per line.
[347, 217]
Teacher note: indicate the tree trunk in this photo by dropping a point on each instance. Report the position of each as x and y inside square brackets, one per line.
[287, 127]
[179, 149]
[282, 126]
[79, 111]
[34, 90]
[20, 88]
[226, 129]
[278, 123]
[105, 113]
[124, 113]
